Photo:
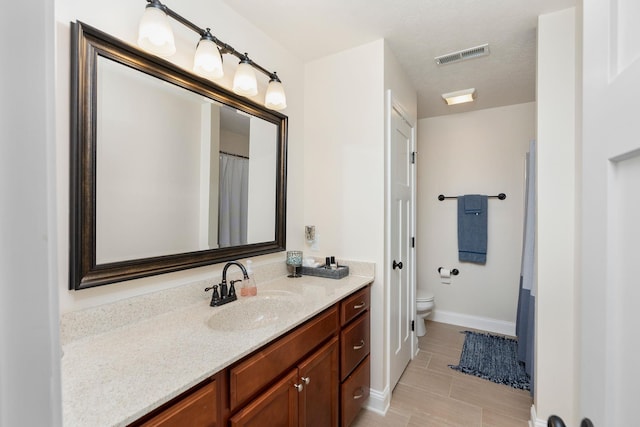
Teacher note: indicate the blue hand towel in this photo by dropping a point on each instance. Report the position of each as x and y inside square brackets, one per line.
[472, 203]
[472, 228]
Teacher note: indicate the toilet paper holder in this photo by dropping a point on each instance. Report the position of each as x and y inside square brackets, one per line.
[454, 272]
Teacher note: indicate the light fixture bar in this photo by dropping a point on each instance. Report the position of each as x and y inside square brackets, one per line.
[225, 48]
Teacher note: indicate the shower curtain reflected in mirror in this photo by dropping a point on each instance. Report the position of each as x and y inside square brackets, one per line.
[233, 203]
[525, 321]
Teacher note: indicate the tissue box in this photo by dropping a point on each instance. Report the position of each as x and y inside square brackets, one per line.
[322, 271]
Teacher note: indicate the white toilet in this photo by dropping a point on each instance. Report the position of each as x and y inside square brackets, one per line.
[424, 306]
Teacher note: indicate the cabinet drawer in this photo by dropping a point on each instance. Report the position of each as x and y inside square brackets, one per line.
[355, 391]
[259, 370]
[195, 409]
[354, 305]
[354, 344]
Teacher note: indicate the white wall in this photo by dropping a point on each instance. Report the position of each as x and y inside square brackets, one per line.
[344, 167]
[146, 119]
[556, 300]
[120, 19]
[29, 338]
[262, 192]
[481, 152]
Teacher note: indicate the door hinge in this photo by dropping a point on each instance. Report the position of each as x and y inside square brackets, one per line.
[413, 242]
[413, 157]
[413, 325]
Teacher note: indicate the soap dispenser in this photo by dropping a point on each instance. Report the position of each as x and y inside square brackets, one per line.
[248, 286]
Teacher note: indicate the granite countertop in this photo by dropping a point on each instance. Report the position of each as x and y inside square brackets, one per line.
[113, 376]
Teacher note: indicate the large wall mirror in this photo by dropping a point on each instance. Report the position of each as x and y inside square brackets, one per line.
[168, 170]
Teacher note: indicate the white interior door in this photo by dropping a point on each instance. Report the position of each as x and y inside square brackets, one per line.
[400, 285]
[610, 372]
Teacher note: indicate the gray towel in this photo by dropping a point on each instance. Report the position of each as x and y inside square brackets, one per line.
[472, 228]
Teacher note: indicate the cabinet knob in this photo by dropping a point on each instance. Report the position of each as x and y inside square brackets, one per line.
[306, 380]
[359, 306]
[299, 387]
[359, 346]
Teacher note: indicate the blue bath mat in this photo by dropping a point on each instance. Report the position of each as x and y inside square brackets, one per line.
[493, 358]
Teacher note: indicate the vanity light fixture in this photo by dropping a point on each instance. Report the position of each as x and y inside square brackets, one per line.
[154, 32]
[207, 60]
[460, 96]
[156, 36]
[244, 81]
[275, 98]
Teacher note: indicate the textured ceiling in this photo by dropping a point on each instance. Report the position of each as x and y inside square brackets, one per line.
[417, 31]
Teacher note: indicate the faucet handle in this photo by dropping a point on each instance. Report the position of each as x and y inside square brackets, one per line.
[216, 296]
[232, 289]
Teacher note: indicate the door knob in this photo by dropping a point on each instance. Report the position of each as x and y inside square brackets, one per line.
[556, 421]
[397, 264]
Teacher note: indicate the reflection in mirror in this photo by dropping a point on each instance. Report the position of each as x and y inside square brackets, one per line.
[168, 171]
[175, 169]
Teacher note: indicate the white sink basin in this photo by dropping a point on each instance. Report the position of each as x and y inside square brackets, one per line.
[256, 312]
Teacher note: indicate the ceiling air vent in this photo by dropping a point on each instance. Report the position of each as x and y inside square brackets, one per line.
[462, 55]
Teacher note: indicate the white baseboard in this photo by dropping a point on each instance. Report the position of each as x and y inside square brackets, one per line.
[534, 421]
[379, 401]
[476, 322]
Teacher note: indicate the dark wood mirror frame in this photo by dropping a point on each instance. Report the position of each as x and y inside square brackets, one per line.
[87, 43]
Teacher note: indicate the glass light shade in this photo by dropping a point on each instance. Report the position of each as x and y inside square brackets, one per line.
[155, 34]
[460, 96]
[275, 99]
[244, 81]
[207, 61]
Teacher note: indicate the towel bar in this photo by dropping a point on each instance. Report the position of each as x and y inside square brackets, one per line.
[500, 196]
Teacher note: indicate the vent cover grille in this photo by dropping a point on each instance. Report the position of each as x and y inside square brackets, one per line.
[461, 55]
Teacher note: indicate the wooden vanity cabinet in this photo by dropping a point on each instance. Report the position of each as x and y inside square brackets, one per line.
[254, 373]
[307, 396]
[314, 376]
[355, 375]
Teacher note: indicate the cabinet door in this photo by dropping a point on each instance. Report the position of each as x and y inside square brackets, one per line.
[319, 398]
[196, 409]
[278, 406]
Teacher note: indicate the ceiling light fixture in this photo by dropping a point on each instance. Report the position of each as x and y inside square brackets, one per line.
[156, 36]
[460, 96]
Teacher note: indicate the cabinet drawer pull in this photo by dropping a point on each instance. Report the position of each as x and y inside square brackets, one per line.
[359, 346]
[306, 380]
[358, 396]
[299, 387]
[359, 306]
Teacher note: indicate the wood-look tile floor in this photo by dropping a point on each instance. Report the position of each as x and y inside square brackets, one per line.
[430, 394]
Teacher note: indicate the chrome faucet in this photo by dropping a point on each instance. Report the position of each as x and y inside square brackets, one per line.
[227, 293]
